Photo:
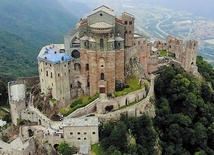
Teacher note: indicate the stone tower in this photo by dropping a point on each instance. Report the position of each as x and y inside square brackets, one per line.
[102, 51]
[17, 99]
[175, 46]
[128, 20]
[189, 57]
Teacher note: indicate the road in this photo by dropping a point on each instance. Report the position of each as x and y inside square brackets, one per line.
[158, 25]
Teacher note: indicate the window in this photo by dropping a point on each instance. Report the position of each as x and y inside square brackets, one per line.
[85, 133]
[77, 67]
[79, 138]
[47, 73]
[58, 75]
[71, 133]
[87, 67]
[84, 138]
[126, 22]
[51, 75]
[78, 133]
[93, 133]
[102, 76]
[101, 44]
[130, 22]
[102, 90]
[75, 54]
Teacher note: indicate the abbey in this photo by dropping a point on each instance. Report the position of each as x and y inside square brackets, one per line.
[94, 57]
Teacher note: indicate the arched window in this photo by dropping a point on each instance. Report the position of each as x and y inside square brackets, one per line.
[102, 76]
[101, 44]
[77, 67]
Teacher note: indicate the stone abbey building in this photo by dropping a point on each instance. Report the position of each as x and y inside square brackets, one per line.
[95, 56]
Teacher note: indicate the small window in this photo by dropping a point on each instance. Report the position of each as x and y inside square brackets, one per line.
[58, 75]
[102, 76]
[71, 133]
[47, 73]
[51, 75]
[84, 138]
[78, 133]
[93, 133]
[101, 44]
[87, 67]
[79, 138]
[70, 85]
[101, 14]
[130, 22]
[126, 22]
[85, 133]
[65, 65]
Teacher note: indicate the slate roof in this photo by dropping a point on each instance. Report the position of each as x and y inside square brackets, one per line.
[53, 56]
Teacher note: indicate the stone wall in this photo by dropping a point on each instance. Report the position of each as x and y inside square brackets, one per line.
[90, 108]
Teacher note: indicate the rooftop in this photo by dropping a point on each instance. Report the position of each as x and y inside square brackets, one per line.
[104, 9]
[81, 122]
[53, 56]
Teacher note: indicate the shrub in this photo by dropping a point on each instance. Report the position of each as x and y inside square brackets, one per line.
[5, 138]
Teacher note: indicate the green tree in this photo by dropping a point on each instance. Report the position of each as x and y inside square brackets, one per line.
[64, 148]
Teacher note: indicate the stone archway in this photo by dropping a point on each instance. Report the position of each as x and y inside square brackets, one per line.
[30, 133]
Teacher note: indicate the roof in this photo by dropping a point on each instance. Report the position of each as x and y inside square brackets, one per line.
[128, 14]
[101, 25]
[104, 9]
[53, 56]
[119, 39]
[85, 37]
[84, 149]
[81, 122]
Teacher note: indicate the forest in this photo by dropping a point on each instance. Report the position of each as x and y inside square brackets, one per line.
[184, 122]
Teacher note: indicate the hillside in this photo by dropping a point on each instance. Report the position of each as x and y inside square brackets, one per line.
[183, 123]
[40, 22]
[17, 57]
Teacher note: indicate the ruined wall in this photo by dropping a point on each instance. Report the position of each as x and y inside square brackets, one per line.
[189, 57]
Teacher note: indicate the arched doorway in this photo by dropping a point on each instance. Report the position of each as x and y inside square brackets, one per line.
[55, 146]
[30, 133]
